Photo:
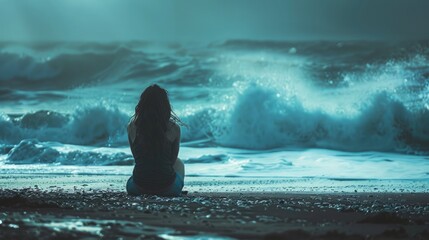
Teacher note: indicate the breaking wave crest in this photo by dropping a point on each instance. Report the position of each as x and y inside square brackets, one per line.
[32, 151]
[72, 70]
[259, 119]
[262, 120]
[96, 125]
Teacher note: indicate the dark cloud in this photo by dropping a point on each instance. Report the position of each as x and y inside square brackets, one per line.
[208, 20]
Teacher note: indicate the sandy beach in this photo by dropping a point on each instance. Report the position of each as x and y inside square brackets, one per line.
[89, 207]
[291, 119]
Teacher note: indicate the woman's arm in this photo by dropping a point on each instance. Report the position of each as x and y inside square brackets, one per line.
[176, 143]
[131, 129]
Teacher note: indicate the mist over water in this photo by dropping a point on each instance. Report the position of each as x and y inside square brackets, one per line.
[63, 101]
[201, 21]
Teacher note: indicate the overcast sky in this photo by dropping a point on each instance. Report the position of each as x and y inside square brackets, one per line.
[212, 20]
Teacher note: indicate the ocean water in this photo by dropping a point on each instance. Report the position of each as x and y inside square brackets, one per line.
[337, 110]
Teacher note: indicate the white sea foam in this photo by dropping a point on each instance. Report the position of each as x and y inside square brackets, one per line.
[260, 120]
[94, 125]
[261, 105]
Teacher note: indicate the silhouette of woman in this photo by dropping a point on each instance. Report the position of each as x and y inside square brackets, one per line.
[154, 137]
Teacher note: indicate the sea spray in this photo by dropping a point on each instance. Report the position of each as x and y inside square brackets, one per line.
[260, 98]
[91, 125]
[260, 119]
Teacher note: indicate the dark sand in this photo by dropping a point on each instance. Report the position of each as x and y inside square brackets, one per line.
[33, 213]
[52, 206]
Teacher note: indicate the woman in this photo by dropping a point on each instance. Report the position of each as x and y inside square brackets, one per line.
[154, 137]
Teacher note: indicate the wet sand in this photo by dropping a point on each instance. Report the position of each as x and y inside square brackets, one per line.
[61, 210]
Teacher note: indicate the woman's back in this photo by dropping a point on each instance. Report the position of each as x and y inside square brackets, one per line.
[154, 140]
[151, 172]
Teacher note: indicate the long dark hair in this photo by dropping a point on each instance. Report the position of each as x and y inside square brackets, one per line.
[152, 115]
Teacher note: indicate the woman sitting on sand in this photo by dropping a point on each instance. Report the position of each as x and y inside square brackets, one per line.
[154, 137]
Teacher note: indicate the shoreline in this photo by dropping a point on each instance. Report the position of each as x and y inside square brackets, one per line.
[197, 184]
[93, 207]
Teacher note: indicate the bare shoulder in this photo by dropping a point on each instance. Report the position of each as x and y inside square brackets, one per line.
[173, 131]
[175, 127]
[131, 129]
[131, 125]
